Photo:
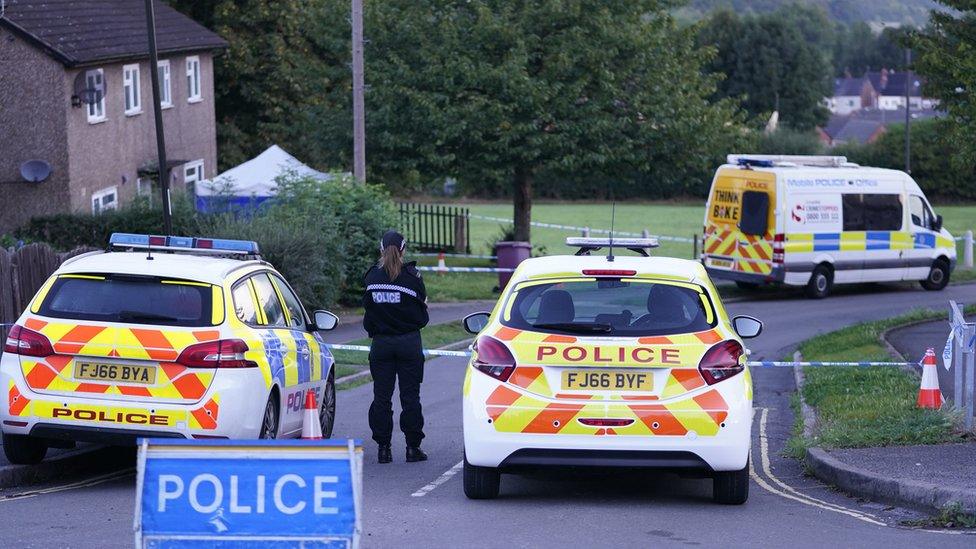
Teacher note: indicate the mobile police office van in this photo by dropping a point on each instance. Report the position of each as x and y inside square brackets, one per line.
[818, 220]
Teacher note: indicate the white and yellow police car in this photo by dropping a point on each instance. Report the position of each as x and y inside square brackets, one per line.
[609, 362]
[187, 337]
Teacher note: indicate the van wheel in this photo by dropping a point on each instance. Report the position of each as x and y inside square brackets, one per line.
[269, 421]
[731, 487]
[821, 282]
[327, 411]
[938, 277]
[480, 482]
[23, 449]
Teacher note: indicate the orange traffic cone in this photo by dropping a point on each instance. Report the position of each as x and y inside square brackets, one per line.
[311, 428]
[441, 264]
[929, 395]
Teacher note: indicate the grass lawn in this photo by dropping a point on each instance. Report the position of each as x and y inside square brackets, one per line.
[860, 407]
[439, 335]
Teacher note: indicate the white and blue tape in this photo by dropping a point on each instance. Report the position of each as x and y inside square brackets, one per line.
[575, 228]
[466, 269]
[465, 256]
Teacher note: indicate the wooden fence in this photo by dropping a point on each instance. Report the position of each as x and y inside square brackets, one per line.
[434, 228]
[22, 272]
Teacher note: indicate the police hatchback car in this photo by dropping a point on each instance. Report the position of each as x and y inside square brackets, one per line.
[175, 340]
[609, 362]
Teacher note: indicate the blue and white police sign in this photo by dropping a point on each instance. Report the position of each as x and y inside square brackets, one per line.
[223, 493]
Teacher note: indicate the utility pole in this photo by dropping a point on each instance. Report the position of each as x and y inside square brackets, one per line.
[908, 110]
[158, 115]
[358, 85]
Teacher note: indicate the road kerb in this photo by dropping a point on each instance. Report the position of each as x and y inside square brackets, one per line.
[52, 468]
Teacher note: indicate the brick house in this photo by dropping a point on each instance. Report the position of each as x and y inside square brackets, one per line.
[102, 154]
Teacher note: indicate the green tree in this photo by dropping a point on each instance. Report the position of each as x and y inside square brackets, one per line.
[503, 90]
[769, 66]
[945, 53]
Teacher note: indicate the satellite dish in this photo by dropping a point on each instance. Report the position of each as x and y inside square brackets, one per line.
[35, 171]
[89, 90]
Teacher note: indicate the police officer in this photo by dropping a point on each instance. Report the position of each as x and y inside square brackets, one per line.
[396, 310]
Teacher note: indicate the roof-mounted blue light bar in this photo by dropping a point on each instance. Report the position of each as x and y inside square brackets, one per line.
[218, 246]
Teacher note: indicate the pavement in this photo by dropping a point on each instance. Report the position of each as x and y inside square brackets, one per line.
[786, 507]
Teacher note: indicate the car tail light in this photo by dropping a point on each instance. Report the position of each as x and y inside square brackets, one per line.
[779, 247]
[225, 353]
[605, 422]
[721, 362]
[608, 272]
[21, 341]
[494, 358]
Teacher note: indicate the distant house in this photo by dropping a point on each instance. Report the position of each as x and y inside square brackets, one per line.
[76, 94]
[850, 94]
[882, 90]
[867, 125]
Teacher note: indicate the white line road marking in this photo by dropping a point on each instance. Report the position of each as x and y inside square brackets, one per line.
[72, 486]
[440, 480]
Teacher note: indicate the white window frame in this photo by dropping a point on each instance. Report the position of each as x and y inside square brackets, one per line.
[165, 84]
[98, 197]
[131, 89]
[144, 187]
[196, 167]
[194, 93]
[96, 111]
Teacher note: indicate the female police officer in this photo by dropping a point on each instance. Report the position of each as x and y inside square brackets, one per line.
[396, 310]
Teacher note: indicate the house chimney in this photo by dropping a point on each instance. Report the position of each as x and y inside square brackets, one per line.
[884, 78]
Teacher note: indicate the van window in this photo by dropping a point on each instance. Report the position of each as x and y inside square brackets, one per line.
[921, 216]
[755, 213]
[130, 299]
[872, 212]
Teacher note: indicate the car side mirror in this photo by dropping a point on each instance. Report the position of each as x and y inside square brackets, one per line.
[475, 322]
[325, 321]
[747, 326]
[937, 223]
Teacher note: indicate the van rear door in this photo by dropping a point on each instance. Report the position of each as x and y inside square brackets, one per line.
[740, 221]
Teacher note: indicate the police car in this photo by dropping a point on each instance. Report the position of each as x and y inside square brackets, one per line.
[175, 337]
[609, 361]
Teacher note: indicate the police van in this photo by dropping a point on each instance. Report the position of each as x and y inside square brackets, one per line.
[815, 221]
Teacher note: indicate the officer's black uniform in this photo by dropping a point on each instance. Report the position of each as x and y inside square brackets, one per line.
[396, 310]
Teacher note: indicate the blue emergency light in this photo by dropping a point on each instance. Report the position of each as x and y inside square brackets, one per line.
[184, 243]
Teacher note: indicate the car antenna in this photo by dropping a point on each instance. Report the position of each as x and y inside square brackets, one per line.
[149, 256]
[613, 216]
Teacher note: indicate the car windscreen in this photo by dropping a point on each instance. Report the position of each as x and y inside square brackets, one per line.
[130, 299]
[610, 307]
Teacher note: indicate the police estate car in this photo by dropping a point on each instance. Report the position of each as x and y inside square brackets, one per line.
[611, 362]
[174, 340]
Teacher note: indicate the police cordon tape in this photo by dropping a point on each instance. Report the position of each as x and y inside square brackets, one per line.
[751, 364]
[466, 269]
[466, 256]
[575, 228]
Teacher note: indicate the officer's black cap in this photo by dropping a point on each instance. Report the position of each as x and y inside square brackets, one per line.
[393, 238]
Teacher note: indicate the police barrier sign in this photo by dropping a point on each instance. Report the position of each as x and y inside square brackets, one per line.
[239, 493]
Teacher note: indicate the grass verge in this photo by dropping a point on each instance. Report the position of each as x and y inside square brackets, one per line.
[861, 407]
[951, 516]
[438, 335]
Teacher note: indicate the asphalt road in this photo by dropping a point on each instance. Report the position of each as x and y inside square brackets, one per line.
[595, 510]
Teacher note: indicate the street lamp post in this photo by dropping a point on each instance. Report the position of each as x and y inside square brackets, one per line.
[158, 115]
[908, 110]
[358, 85]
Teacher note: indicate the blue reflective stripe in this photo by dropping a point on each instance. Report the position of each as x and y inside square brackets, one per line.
[924, 241]
[826, 242]
[878, 240]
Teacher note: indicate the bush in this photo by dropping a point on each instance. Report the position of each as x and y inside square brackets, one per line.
[787, 141]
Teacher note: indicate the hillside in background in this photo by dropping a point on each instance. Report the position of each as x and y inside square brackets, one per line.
[911, 12]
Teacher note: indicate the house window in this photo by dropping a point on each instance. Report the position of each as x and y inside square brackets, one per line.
[105, 199]
[144, 188]
[130, 88]
[95, 84]
[193, 79]
[165, 93]
[192, 173]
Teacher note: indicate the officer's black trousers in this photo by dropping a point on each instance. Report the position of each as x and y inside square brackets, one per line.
[390, 358]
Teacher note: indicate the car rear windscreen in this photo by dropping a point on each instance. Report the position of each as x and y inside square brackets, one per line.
[130, 299]
[610, 307]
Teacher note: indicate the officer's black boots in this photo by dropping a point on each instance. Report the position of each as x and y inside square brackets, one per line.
[414, 453]
[385, 454]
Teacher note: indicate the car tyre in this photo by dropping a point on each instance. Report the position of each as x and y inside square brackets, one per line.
[23, 449]
[480, 482]
[328, 407]
[271, 419]
[731, 487]
[821, 282]
[938, 277]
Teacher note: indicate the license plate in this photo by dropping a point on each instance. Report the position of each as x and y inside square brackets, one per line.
[607, 380]
[720, 263]
[126, 373]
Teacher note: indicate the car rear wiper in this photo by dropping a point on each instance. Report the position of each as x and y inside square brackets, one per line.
[590, 328]
[137, 315]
